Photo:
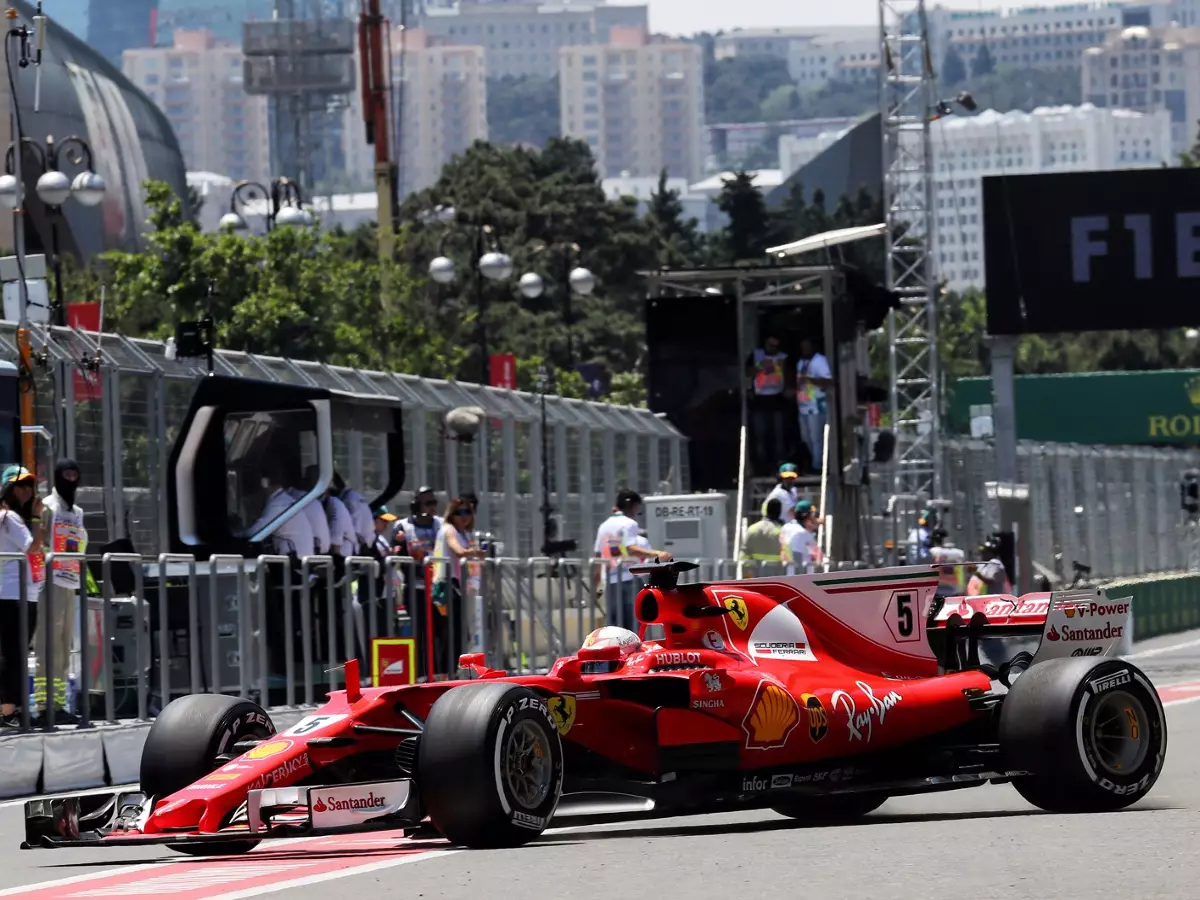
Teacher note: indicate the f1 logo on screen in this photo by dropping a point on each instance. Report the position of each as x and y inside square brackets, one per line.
[1091, 251]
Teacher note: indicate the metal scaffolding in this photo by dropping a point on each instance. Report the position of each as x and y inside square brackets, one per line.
[906, 102]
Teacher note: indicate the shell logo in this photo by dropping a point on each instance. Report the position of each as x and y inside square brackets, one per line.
[773, 716]
[1070, 611]
[263, 751]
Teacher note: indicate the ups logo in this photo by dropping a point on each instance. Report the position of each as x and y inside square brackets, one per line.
[818, 719]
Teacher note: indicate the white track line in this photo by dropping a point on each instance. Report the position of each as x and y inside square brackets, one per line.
[1159, 651]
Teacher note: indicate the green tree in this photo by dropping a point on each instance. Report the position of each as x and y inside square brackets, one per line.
[677, 241]
[523, 109]
[954, 70]
[782, 103]
[736, 87]
[537, 203]
[1190, 159]
[983, 63]
[746, 236]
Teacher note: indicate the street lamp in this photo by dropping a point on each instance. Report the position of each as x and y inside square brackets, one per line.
[54, 188]
[576, 280]
[285, 205]
[493, 264]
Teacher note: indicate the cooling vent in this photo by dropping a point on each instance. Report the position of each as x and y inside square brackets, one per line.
[406, 756]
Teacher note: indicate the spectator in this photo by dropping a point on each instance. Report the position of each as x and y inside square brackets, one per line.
[813, 379]
[294, 536]
[62, 524]
[385, 529]
[762, 538]
[20, 509]
[785, 493]
[991, 577]
[768, 403]
[360, 514]
[920, 539]
[801, 550]
[422, 527]
[343, 538]
[455, 545]
[313, 512]
[616, 541]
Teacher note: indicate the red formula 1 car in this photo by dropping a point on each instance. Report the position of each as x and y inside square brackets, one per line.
[816, 696]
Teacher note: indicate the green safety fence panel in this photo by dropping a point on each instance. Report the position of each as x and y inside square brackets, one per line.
[1162, 604]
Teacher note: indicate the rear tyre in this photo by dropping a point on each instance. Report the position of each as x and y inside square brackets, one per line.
[834, 810]
[1092, 733]
[193, 736]
[490, 765]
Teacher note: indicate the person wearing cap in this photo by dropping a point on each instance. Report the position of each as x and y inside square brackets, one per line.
[920, 539]
[785, 493]
[62, 523]
[385, 529]
[20, 532]
[990, 577]
[617, 542]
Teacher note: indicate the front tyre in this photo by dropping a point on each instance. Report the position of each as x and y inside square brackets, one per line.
[490, 765]
[1092, 733]
[838, 809]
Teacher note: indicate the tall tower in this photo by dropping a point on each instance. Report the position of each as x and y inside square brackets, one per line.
[303, 59]
[907, 101]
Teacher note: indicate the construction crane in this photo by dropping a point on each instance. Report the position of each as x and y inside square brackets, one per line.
[374, 49]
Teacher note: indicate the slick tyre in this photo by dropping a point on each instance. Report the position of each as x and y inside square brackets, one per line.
[1091, 731]
[193, 736]
[490, 765]
[838, 810]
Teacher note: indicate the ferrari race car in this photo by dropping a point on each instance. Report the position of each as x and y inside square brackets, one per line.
[816, 696]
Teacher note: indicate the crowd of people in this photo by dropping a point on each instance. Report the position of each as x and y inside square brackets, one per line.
[787, 531]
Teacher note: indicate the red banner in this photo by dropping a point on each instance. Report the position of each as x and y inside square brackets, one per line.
[504, 370]
[394, 661]
[85, 317]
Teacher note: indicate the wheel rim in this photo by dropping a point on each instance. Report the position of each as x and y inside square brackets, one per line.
[1120, 733]
[527, 764]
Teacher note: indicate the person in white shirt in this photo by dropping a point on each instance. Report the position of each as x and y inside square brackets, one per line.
[813, 379]
[360, 513]
[617, 542]
[785, 493]
[295, 536]
[62, 523]
[314, 512]
[20, 509]
[343, 539]
[800, 550]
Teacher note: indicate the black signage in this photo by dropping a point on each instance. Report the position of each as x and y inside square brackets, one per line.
[1092, 251]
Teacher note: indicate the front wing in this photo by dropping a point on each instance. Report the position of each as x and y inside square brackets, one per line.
[118, 819]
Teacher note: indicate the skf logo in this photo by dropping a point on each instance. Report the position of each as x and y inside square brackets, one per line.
[772, 717]
[737, 611]
[562, 712]
[818, 721]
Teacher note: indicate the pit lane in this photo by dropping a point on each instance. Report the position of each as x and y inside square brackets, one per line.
[976, 843]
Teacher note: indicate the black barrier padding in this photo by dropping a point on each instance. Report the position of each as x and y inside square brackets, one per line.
[1092, 251]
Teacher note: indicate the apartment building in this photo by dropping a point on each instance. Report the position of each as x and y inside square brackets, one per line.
[778, 42]
[815, 61]
[1048, 140]
[639, 104]
[224, 18]
[197, 83]
[1148, 69]
[523, 37]
[1036, 37]
[442, 106]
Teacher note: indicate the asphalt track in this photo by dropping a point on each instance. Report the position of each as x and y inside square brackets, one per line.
[976, 843]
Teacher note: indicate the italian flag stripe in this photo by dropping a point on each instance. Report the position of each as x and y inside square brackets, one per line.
[875, 579]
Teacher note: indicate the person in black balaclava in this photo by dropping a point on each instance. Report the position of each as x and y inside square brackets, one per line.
[62, 524]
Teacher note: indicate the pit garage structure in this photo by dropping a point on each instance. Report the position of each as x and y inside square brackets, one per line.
[754, 289]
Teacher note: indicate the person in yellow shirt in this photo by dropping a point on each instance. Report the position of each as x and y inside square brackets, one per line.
[762, 538]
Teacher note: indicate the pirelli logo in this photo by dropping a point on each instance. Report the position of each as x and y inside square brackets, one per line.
[1107, 683]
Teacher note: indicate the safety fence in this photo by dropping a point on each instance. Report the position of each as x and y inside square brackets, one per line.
[115, 405]
[276, 628]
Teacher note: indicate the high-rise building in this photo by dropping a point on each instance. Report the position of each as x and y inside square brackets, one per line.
[111, 34]
[1048, 140]
[197, 82]
[522, 37]
[1148, 69]
[441, 101]
[223, 18]
[639, 104]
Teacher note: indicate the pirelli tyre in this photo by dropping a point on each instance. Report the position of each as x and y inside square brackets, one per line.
[490, 765]
[1092, 733]
[193, 736]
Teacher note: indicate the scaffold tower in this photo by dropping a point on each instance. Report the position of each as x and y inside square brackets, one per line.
[907, 101]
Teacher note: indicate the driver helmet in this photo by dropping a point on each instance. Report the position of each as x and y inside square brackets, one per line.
[610, 636]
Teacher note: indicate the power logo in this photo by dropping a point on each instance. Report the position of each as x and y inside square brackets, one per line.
[772, 717]
[818, 719]
[738, 614]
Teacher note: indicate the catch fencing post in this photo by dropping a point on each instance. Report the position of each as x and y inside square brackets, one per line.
[307, 564]
[214, 571]
[193, 620]
[140, 643]
[260, 574]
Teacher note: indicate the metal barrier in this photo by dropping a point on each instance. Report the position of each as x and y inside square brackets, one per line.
[522, 614]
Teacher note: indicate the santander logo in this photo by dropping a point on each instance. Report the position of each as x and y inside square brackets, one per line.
[1052, 634]
[369, 802]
